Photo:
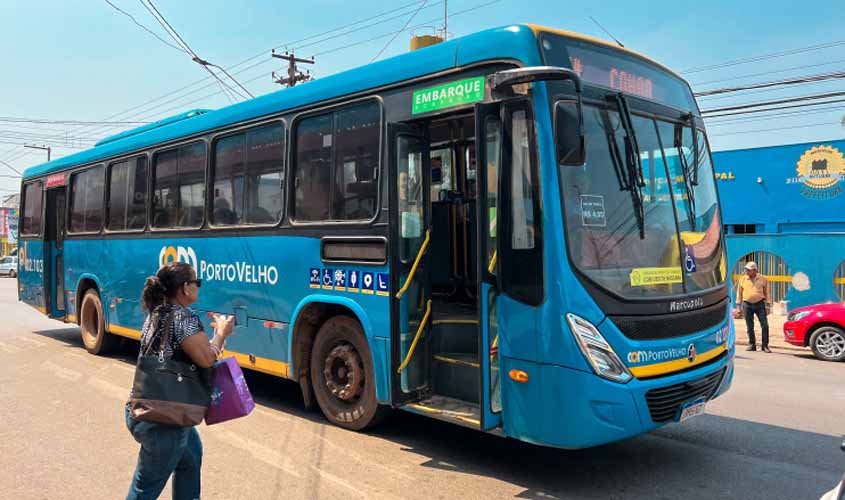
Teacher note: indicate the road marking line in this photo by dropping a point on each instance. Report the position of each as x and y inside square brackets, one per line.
[31, 341]
[61, 372]
[338, 481]
[9, 348]
[263, 453]
[109, 389]
[286, 419]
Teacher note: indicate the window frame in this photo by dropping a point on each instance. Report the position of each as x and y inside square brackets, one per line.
[292, 164]
[69, 198]
[210, 166]
[22, 209]
[153, 152]
[503, 224]
[107, 205]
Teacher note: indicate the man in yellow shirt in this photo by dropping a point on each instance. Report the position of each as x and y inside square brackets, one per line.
[752, 294]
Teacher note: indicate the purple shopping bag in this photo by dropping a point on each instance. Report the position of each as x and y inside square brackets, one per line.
[230, 397]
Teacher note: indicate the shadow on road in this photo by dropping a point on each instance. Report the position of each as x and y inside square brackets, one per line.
[706, 457]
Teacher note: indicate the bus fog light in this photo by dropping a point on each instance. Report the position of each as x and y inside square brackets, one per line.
[597, 350]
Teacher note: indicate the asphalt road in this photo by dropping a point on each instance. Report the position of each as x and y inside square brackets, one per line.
[774, 436]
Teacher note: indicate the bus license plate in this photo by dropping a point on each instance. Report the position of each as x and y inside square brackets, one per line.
[691, 409]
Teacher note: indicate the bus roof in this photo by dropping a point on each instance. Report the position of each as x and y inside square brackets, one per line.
[515, 42]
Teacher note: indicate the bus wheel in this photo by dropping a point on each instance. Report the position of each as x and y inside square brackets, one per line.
[92, 325]
[342, 375]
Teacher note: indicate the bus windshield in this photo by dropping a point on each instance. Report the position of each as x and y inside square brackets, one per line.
[678, 249]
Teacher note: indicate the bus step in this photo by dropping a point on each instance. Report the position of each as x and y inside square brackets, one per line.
[449, 335]
[456, 376]
[450, 410]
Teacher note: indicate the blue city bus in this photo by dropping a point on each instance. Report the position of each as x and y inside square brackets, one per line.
[352, 226]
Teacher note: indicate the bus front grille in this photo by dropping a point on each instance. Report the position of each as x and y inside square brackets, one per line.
[664, 403]
[673, 325]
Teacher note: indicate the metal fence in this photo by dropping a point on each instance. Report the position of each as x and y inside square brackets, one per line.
[774, 268]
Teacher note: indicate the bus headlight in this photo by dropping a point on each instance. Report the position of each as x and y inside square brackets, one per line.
[598, 352]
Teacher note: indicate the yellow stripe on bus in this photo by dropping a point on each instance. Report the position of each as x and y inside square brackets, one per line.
[264, 365]
[125, 332]
[675, 365]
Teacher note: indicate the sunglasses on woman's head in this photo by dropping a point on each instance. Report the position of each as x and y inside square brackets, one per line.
[196, 282]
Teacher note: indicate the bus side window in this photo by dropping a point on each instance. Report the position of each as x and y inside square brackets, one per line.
[179, 186]
[127, 195]
[33, 195]
[337, 163]
[522, 260]
[247, 177]
[86, 202]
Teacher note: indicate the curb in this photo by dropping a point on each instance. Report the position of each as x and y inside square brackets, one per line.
[788, 348]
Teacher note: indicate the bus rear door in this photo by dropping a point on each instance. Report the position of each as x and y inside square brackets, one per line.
[410, 287]
[54, 275]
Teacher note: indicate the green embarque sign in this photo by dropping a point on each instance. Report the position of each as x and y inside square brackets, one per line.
[448, 95]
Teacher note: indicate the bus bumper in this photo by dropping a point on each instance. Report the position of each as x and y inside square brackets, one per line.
[567, 408]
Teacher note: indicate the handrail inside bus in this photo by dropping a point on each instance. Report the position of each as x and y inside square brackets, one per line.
[416, 337]
[410, 277]
[492, 266]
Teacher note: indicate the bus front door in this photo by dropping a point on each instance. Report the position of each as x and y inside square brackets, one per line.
[488, 126]
[410, 288]
[54, 275]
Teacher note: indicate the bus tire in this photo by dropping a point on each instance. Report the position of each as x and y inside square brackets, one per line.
[92, 325]
[343, 376]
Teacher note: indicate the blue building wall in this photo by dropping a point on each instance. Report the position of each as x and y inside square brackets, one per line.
[790, 199]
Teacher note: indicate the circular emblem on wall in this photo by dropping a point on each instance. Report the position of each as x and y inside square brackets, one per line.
[820, 169]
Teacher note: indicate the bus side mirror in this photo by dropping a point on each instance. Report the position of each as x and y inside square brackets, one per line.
[570, 139]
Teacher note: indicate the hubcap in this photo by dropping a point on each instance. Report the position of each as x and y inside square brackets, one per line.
[831, 344]
[344, 373]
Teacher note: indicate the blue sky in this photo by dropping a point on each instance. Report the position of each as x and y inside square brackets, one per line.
[76, 60]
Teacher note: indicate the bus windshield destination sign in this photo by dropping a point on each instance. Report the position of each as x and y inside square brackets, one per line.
[448, 95]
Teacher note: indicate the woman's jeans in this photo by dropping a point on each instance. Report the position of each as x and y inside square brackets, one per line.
[165, 450]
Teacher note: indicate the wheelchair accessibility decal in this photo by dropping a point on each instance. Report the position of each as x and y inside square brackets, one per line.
[349, 280]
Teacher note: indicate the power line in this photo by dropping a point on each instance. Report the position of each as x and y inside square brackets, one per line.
[772, 103]
[397, 33]
[764, 57]
[150, 6]
[252, 58]
[800, 112]
[784, 70]
[708, 100]
[13, 169]
[776, 129]
[162, 40]
[776, 83]
[751, 111]
[411, 28]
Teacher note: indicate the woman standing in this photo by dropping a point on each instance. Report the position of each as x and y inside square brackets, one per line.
[166, 449]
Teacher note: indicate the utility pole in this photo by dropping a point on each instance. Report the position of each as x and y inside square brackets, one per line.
[42, 147]
[294, 75]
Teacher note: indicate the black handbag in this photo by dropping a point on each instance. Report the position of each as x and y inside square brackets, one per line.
[169, 392]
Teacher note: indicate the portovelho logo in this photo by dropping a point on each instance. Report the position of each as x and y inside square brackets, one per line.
[820, 169]
[668, 354]
[30, 265]
[232, 272]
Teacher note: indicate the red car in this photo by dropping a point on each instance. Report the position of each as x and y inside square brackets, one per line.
[820, 327]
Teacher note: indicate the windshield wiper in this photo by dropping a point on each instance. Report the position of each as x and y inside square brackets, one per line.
[615, 155]
[632, 162]
[689, 181]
